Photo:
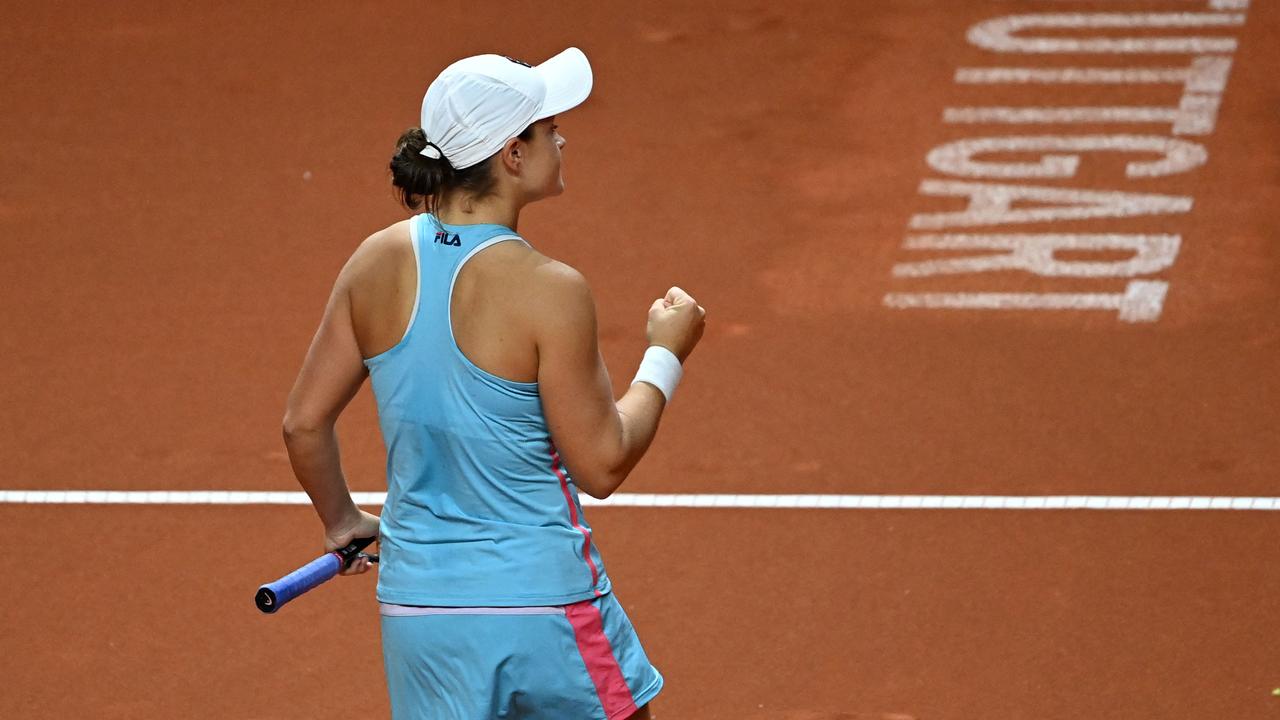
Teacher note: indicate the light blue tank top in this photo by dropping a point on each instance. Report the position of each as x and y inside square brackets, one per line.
[480, 509]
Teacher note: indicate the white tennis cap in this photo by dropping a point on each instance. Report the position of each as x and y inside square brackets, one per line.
[479, 103]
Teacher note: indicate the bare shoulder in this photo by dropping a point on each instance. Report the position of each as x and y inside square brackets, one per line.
[558, 279]
[381, 253]
[378, 284]
[559, 290]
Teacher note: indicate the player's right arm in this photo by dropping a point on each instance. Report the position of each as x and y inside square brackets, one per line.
[599, 439]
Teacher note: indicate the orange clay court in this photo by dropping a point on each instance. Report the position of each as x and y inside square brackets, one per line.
[984, 425]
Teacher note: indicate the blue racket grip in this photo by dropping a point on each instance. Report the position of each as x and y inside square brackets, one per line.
[273, 595]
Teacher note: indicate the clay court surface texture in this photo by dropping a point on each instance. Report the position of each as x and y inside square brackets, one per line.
[983, 427]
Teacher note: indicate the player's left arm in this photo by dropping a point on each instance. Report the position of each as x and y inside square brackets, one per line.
[331, 374]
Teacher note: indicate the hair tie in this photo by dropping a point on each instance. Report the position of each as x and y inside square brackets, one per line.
[432, 151]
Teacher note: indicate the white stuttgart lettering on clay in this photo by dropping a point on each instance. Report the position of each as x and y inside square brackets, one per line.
[1035, 254]
[1194, 115]
[1206, 74]
[992, 204]
[1142, 301]
[957, 158]
[1099, 254]
[1007, 34]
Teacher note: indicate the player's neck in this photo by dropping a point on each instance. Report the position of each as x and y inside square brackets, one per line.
[495, 210]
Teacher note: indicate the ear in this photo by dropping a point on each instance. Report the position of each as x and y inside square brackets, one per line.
[513, 155]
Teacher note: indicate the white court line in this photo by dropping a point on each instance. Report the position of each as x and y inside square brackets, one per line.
[824, 502]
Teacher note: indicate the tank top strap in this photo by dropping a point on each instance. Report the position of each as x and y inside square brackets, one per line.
[441, 251]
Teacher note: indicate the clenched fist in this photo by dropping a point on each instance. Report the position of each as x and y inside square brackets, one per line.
[676, 322]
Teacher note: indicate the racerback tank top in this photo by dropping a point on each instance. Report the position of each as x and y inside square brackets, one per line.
[480, 510]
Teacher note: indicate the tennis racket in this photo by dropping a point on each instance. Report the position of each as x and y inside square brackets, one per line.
[273, 595]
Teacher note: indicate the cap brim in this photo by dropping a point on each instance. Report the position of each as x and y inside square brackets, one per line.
[568, 80]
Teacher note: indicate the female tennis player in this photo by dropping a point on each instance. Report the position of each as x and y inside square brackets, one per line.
[496, 408]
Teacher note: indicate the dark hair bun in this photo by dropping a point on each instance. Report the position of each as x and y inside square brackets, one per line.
[415, 176]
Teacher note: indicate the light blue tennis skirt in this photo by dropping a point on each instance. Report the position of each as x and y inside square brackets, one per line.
[570, 662]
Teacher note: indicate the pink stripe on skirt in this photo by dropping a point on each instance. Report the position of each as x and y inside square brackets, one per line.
[597, 653]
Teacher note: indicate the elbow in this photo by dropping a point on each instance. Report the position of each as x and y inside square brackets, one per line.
[597, 492]
[597, 473]
[296, 426]
[600, 485]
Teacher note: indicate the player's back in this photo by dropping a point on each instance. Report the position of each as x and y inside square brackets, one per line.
[480, 509]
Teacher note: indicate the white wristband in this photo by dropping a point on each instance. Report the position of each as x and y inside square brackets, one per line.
[661, 369]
